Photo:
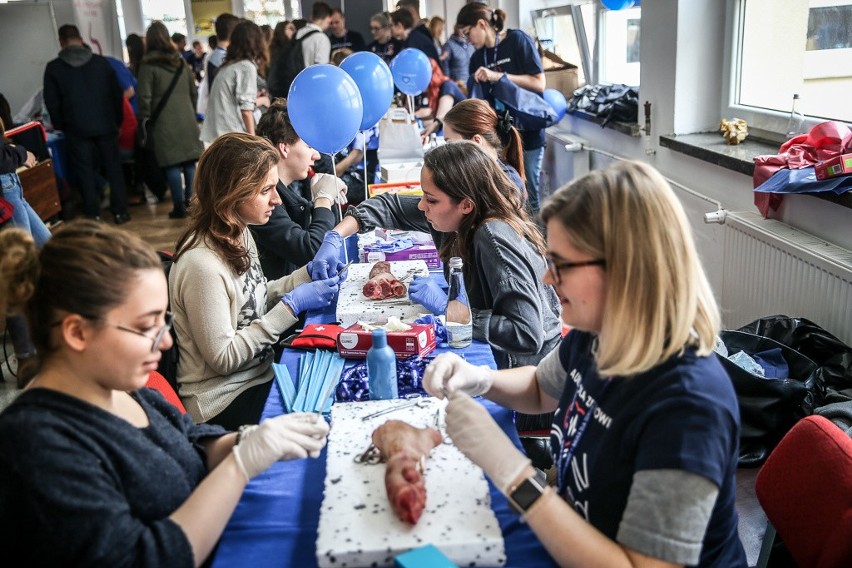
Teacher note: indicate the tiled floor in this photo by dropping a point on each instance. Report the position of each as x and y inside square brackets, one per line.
[152, 223]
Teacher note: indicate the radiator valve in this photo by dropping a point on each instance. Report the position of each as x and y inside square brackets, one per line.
[716, 217]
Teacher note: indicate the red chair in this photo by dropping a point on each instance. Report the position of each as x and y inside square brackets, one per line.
[805, 487]
[158, 382]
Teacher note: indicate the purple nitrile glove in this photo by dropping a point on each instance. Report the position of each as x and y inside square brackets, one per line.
[311, 295]
[328, 252]
[428, 293]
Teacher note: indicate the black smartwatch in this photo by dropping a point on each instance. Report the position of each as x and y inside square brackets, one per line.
[522, 496]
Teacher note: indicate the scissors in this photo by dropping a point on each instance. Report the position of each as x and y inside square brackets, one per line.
[418, 402]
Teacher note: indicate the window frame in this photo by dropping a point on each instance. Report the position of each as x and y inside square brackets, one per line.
[772, 121]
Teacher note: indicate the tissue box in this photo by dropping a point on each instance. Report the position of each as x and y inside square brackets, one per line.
[836, 166]
[424, 251]
[353, 342]
[401, 171]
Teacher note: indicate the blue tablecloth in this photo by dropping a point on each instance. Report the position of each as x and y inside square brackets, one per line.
[275, 522]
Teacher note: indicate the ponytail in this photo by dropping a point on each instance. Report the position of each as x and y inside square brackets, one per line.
[510, 139]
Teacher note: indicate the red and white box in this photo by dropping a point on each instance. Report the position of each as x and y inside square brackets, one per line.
[836, 166]
[354, 341]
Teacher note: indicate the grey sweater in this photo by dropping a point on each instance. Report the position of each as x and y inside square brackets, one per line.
[513, 310]
[226, 325]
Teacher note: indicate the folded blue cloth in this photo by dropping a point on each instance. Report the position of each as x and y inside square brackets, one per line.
[390, 246]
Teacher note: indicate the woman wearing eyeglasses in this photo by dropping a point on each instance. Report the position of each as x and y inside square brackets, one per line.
[384, 44]
[509, 53]
[228, 316]
[646, 426]
[473, 211]
[96, 469]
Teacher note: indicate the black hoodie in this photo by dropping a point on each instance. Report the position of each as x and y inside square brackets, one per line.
[82, 94]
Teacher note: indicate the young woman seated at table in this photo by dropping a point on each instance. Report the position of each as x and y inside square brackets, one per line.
[474, 212]
[96, 469]
[295, 230]
[474, 119]
[640, 401]
[227, 316]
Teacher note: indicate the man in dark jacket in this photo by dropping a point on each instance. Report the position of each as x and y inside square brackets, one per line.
[296, 228]
[85, 101]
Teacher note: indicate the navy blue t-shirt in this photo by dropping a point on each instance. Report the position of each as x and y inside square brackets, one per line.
[387, 51]
[681, 415]
[516, 55]
[424, 43]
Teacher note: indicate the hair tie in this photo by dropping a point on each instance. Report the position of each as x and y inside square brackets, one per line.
[504, 126]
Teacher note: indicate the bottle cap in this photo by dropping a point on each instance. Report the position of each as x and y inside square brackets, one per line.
[456, 262]
[379, 332]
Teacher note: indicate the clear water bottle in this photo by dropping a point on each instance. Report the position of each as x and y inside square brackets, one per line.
[459, 320]
[381, 368]
[796, 120]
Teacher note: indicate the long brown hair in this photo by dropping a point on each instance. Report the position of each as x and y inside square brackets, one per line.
[475, 116]
[231, 171]
[85, 268]
[248, 42]
[463, 170]
[157, 38]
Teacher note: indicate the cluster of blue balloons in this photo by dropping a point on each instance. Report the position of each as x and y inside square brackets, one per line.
[328, 105]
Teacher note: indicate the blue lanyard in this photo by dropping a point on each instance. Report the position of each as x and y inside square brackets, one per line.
[494, 50]
[564, 463]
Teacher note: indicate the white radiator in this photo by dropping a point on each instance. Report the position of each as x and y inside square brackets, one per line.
[772, 268]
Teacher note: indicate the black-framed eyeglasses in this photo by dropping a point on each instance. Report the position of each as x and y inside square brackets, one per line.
[556, 268]
[156, 339]
[466, 31]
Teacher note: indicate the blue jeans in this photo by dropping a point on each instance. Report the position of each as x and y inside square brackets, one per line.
[533, 160]
[176, 184]
[23, 216]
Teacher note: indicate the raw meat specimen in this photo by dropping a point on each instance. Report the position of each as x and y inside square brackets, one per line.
[382, 284]
[404, 448]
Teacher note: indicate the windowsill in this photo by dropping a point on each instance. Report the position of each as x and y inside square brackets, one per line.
[622, 127]
[711, 147]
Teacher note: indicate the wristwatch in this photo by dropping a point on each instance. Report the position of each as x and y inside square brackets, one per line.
[522, 496]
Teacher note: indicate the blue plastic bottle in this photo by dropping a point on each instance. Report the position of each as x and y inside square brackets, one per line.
[381, 368]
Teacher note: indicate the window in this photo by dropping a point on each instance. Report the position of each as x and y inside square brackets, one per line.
[171, 13]
[787, 47]
[568, 31]
[619, 46]
[268, 12]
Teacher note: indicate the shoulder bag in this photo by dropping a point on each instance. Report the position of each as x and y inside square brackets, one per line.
[144, 138]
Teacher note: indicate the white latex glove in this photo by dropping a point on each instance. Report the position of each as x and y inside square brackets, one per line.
[477, 436]
[450, 373]
[328, 186]
[285, 437]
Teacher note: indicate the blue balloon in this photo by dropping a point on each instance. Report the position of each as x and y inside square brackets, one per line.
[617, 4]
[325, 107]
[557, 100]
[411, 71]
[375, 83]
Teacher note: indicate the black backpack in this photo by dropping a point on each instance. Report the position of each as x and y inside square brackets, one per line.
[286, 65]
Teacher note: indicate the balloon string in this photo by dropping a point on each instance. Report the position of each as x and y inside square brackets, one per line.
[366, 174]
[339, 208]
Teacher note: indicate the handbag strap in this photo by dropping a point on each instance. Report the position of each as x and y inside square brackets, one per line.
[162, 103]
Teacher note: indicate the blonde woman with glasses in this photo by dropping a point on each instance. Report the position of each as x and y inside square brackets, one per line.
[384, 44]
[646, 425]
